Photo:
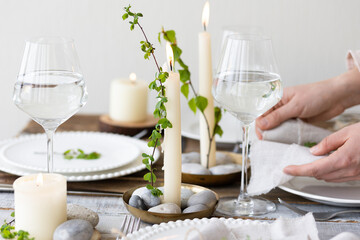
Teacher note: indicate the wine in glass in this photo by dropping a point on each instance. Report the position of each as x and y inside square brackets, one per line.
[246, 84]
[50, 86]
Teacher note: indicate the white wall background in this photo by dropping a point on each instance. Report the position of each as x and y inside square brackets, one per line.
[310, 37]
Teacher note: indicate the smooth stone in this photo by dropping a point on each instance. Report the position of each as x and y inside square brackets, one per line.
[140, 191]
[150, 200]
[79, 212]
[191, 157]
[195, 168]
[206, 197]
[96, 235]
[185, 195]
[225, 169]
[195, 208]
[75, 229]
[166, 208]
[137, 202]
[223, 158]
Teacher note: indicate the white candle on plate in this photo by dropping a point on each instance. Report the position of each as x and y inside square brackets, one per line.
[172, 146]
[128, 99]
[205, 84]
[40, 204]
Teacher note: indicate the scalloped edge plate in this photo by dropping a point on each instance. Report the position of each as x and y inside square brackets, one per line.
[130, 168]
[177, 230]
[116, 150]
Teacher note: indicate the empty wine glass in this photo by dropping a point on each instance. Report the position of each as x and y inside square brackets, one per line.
[50, 86]
[246, 84]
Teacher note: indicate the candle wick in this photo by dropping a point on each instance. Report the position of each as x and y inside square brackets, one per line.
[204, 27]
[171, 67]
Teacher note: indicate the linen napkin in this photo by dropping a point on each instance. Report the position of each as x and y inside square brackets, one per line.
[295, 131]
[282, 146]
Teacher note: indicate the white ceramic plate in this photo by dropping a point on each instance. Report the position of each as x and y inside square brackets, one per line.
[337, 194]
[130, 168]
[229, 124]
[178, 230]
[29, 151]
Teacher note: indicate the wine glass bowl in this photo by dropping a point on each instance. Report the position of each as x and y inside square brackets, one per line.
[50, 86]
[246, 84]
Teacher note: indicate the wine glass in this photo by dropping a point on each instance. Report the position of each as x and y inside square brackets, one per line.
[246, 84]
[50, 86]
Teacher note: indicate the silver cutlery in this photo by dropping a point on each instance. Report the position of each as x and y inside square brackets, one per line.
[320, 216]
[129, 225]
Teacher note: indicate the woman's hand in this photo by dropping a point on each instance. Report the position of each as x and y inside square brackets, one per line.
[341, 165]
[314, 102]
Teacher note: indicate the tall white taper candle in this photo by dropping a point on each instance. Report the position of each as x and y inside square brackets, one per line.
[205, 84]
[172, 146]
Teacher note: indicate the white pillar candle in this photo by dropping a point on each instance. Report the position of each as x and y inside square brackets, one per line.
[172, 146]
[205, 84]
[40, 204]
[128, 100]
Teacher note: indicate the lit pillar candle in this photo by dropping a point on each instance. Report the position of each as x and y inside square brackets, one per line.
[40, 204]
[128, 100]
[172, 146]
[205, 84]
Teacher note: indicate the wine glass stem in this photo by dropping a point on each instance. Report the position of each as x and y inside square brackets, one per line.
[50, 153]
[243, 196]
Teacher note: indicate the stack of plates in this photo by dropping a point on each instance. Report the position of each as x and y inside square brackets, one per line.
[120, 155]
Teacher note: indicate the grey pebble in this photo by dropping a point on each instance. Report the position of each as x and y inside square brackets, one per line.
[195, 208]
[79, 212]
[76, 229]
[206, 197]
[137, 202]
[222, 158]
[225, 169]
[150, 200]
[166, 208]
[191, 157]
[195, 168]
[185, 195]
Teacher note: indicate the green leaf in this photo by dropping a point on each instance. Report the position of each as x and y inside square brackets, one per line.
[147, 177]
[184, 75]
[159, 37]
[218, 130]
[201, 103]
[310, 144]
[170, 36]
[177, 51]
[132, 27]
[12, 214]
[68, 157]
[185, 90]
[125, 16]
[156, 192]
[192, 105]
[80, 151]
[218, 114]
[139, 14]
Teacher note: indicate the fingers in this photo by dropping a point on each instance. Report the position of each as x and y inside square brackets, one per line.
[315, 169]
[276, 117]
[332, 112]
[330, 143]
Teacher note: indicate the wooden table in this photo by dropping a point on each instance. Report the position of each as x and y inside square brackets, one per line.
[112, 210]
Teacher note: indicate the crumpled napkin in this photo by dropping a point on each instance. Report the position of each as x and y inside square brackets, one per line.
[295, 131]
[282, 146]
[268, 159]
[214, 230]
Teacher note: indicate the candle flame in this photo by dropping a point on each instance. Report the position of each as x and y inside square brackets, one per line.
[39, 179]
[205, 15]
[170, 55]
[132, 77]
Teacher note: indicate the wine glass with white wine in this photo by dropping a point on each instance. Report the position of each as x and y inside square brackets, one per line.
[246, 84]
[50, 86]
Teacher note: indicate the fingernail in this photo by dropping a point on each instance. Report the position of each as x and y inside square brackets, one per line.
[263, 122]
[314, 149]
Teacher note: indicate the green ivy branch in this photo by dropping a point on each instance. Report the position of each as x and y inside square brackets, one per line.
[160, 109]
[7, 231]
[198, 101]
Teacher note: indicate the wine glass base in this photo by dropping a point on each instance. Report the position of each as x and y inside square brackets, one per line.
[254, 206]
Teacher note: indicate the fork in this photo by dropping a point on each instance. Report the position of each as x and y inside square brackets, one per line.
[129, 225]
[320, 216]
